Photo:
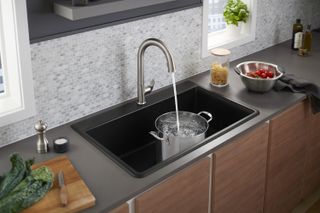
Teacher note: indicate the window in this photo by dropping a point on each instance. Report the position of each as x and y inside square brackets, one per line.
[16, 90]
[216, 33]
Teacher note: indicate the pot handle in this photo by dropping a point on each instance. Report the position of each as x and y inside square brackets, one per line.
[207, 114]
[155, 135]
[237, 70]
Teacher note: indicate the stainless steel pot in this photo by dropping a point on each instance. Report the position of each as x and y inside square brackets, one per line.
[193, 128]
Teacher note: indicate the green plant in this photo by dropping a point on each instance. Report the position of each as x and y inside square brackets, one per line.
[21, 187]
[235, 11]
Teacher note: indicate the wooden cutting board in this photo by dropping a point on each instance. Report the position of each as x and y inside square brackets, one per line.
[79, 196]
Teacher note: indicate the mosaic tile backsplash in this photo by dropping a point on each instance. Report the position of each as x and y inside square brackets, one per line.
[80, 74]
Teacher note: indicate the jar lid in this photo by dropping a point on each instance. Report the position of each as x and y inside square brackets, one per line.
[61, 145]
[220, 52]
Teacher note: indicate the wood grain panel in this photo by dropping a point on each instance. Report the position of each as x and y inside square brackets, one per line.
[312, 164]
[124, 208]
[185, 192]
[239, 174]
[79, 196]
[286, 155]
[315, 208]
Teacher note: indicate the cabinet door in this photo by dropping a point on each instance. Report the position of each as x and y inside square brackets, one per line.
[239, 174]
[287, 148]
[185, 192]
[312, 163]
[124, 208]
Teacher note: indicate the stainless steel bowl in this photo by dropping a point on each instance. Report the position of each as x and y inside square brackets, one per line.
[258, 84]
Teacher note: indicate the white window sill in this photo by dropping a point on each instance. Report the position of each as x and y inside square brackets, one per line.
[224, 40]
[228, 41]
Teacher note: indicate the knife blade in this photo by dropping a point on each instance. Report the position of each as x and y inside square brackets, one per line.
[63, 189]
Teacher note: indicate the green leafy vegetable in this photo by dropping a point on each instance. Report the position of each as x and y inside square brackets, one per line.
[29, 190]
[236, 11]
[15, 175]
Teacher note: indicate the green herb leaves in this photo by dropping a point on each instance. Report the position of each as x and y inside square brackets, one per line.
[236, 11]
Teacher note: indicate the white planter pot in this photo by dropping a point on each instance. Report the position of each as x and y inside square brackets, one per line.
[233, 29]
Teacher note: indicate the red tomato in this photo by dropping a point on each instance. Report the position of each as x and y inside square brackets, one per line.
[263, 75]
[270, 74]
[258, 72]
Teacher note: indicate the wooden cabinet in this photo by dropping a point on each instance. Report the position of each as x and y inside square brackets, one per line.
[311, 180]
[124, 208]
[239, 173]
[286, 156]
[184, 192]
[269, 169]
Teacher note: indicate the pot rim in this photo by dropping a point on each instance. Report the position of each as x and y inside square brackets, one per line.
[187, 112]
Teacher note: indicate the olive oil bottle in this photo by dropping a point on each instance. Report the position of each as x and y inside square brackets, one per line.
[297, 35]
[307, 39]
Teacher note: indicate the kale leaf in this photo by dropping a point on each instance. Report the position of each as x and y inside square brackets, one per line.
[21, 187]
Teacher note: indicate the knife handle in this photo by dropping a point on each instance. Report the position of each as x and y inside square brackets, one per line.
[64, 195]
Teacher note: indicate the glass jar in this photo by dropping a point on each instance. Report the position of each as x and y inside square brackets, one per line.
[219, 67]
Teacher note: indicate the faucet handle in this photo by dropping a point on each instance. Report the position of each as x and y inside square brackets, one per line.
[149, 88]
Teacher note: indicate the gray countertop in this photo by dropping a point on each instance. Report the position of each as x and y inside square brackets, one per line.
[112, 186]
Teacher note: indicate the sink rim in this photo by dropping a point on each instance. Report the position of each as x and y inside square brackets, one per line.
[130, 107]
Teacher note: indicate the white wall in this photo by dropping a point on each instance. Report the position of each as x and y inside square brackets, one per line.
[81, 74]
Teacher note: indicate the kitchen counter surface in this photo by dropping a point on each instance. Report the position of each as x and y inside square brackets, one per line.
[112, 186]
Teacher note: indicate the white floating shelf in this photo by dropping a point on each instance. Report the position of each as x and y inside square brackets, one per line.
[103, 7]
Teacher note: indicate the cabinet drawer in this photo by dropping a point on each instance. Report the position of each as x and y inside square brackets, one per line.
[185, 192]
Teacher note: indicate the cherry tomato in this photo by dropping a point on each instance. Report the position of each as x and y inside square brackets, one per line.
[263, 75]
[258, 72]
[270, 74]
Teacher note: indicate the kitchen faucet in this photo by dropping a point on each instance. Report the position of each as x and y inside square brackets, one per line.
[142, 90]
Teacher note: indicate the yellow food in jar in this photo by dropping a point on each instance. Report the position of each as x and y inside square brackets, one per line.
[219, 74]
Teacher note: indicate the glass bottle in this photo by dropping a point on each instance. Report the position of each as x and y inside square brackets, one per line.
[219, 67]
[307, 39]
[297, 35]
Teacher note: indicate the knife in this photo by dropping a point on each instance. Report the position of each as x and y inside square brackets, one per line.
[63, 189]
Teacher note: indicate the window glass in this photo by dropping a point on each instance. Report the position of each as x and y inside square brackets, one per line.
[16, 84]
[215, 18]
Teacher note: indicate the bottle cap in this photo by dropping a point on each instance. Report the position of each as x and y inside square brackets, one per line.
[298, 21]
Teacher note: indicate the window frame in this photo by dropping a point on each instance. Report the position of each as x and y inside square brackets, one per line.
[17, 101]
[250, 28]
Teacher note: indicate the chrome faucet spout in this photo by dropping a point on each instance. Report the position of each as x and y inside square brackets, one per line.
[142, 90]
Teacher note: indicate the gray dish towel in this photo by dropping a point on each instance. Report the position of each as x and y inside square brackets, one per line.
[292, 83]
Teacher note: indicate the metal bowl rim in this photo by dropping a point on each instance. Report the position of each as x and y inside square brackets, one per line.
[261, 62]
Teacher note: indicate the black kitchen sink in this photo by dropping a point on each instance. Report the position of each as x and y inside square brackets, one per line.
[122, 132]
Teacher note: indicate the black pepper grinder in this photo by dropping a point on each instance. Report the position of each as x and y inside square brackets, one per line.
[42, 142]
